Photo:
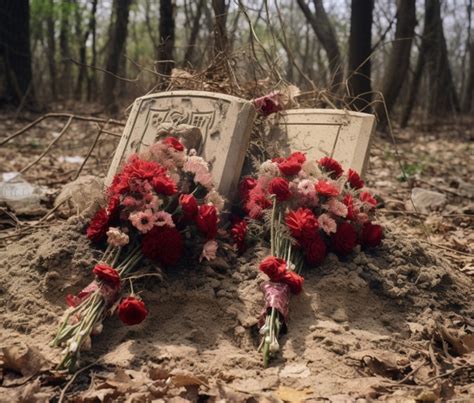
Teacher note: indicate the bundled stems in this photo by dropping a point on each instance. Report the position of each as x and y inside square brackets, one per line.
[81, 321]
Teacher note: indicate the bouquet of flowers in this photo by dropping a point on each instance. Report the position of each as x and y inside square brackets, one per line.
[306, 208]
[162, 201]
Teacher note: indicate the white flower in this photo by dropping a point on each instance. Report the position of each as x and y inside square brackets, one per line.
[269, 168]
[216, 199]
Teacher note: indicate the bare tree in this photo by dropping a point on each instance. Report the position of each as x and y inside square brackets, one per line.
[166, 44]
[193, 37]
[324, 31]
[220, 32]
[360, 39]
[66, 73]
[399, 61]
[468, 97]
[51, 48]
[121, 9]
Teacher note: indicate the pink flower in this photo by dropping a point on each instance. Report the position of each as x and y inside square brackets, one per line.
[155, 203]
[115, 237]
[216, 199]
[162, 219]
[362, 218]
[129, 202]
[195, 164]
[336, 207]
[209, 250]
[306, 188]
[144, 221]
[327, 224]
[204, 179]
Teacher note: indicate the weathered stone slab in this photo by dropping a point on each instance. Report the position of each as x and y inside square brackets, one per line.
[225, 123]
[339, 134]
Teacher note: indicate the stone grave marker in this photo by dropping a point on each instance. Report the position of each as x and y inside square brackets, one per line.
[340, 134]
[225, 123]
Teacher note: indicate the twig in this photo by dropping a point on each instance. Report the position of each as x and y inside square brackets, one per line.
[73, 378]
[446, 374]
[91, 148]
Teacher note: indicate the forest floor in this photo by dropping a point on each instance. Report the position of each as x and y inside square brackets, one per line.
[392, 324]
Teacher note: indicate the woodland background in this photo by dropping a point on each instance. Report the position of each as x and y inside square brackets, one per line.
[416, 55]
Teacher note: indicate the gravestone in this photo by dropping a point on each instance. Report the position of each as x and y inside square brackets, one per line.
[225, 123]
[342, 135]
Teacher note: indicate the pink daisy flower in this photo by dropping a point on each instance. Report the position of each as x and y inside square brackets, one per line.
[164, 219]
[143, 220]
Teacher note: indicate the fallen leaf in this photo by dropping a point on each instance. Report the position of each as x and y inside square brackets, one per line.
[292, 395]
[24, 359]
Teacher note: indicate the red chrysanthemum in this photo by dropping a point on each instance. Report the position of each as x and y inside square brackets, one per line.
[173, 142]
[165, 185]
[189, 205]
[273, 267]
[302, 224]
[107, 274]
[245, 186]
[367, 198]
[331, 166]
[238, 232]
[291, 165]
[355, 182]
[206, 220]
[280, 188]
[294, 281]
[98, 226]
[326, 188]
[352, 210]
[315, 250]
[132, 311]
[345, 239]
[163, 245]
[371, 235]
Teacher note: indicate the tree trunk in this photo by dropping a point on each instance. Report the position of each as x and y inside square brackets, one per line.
[66, 78]
[51, 49]
[166, 44]
[220, 31]
[468, 97]
[188, 57]
[92, 77]
[15, 49]
[324, 31]
[359, 71]
[442, 97]
[399, 61]
[121, 10]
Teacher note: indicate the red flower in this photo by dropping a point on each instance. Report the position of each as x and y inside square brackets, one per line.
[292, 165]
[371, 235]
[268, 104]
[332, 166]
[326, 188]
[352, 211]
[345, 239]
[280, 188]
[206, 220]
[165, 185]
[238, 232]
[173, 142]
[315, 250]
[354, 179]
[132, 311]
[188, 205]
[257, 202]
[163, 245]
[99, 225]
[278, 159]
[302, 223]
[245, 186]
[367, 198]
[294, 281]
[107, 274]
[273, 267]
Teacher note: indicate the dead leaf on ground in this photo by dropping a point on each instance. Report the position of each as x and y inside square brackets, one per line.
[292, 395]
[24, 359]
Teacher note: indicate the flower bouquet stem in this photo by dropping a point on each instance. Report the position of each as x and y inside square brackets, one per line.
[97, 299]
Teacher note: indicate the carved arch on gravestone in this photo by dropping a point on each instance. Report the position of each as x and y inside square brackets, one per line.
[224, 121]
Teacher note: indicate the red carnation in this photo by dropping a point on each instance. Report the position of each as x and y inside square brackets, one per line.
[99, 225]
[257, 202]
[326, 188]
[354, 179]
[188, 205]
[315, 250]
[332, 166]
[367, 198]
[238, 232]
[345, 239]
[278, 159]
[132, 311]
[107, 274]
[371, 235]
[163, 245]
[302, 223]
[290, 166]
[273, 267]
[206, 220]
[298, 156]
[268, 104]
[245, 186]
[165, 185]
[352, 210]
[280, 188]
[294, 281]
[173, 142]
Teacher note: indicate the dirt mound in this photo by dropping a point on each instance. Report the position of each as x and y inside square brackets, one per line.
[382, 323]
